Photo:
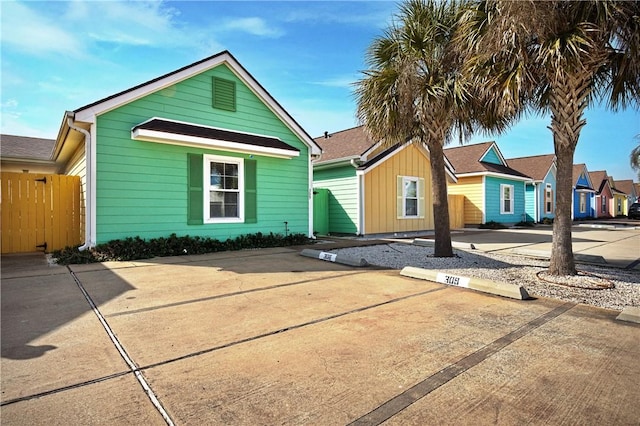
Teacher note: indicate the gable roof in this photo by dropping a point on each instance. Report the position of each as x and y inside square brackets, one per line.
[536, 166]
[88, 113]
[578, 169]
[599, 179]
[344, 145]
[466, 160]
[26, 148]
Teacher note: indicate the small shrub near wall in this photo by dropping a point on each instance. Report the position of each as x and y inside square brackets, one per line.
[137, 248]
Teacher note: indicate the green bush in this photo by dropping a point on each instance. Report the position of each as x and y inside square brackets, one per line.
[524, 224]
[133, 248]
[547, 221]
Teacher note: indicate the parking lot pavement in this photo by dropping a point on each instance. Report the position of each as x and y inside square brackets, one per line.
[268, 336]
[618, 247]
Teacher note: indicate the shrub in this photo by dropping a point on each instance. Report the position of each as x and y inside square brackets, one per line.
[492, 225]
[133, 248]
[547, 221]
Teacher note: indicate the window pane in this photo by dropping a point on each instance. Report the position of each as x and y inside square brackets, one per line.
[410, 189]
[217, 171]
[231, 182]
[231, 169]
[507, 206]
[507, 192]
[231, 204]
[216, 204]
[411, 207]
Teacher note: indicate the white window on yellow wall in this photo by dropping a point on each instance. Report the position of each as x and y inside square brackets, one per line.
[410, 197]
[583, 202]
[506, 199]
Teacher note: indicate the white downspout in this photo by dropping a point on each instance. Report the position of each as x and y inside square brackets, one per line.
[88, 183]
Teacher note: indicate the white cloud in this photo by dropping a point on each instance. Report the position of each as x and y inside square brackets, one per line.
[343, 82]
[254, 26]
[29, 31]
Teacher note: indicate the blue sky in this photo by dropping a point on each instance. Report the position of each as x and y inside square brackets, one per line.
[61, 55]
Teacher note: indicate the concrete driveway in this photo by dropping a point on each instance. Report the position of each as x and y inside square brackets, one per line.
[271, 337]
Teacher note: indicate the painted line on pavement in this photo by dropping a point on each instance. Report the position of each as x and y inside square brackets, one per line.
[127, 359]
[224, 295]
[395, 405]
[290, 328]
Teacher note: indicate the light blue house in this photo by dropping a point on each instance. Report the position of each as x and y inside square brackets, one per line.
[583, 193]
[540, 194]
[493, 191]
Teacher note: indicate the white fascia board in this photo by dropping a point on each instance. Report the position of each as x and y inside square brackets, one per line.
[320, 165]
[499, 175]
[187, 140]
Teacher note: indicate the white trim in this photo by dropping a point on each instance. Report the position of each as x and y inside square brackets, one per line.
[91, 190]
[500, 175]
[415, 179]
[89, 115]
[206, 169]
[500, 156]
[484, 199]
[321, 165]
[360, 206]
[310, 195]
[511, 198]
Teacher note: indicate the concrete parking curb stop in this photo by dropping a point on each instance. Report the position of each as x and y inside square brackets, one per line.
[630, 314]
[546, 255]
[478, 284]
[455, 244]
[334, 257]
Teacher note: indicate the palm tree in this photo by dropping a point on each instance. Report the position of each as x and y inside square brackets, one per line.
[559, 57]
[414, 91]
[634, 157]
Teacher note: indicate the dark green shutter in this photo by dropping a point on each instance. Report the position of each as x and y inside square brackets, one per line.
[250, 192]
[195, 179]
[224, 94]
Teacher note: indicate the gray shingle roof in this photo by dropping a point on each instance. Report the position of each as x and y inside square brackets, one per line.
[26, 147]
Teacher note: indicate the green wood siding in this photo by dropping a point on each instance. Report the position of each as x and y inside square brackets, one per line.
[342, 184]
[142, 187]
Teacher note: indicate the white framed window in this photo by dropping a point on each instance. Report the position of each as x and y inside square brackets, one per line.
[583, 202]
[410, 197]
[548, 199]
[223, 189]
[506, 199]
[603, 206]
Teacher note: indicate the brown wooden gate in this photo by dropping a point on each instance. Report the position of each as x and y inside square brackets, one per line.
[39, 212]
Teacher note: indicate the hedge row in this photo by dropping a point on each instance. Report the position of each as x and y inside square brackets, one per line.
[137, 248]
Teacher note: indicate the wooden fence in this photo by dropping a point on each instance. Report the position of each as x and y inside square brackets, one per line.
[39, 212]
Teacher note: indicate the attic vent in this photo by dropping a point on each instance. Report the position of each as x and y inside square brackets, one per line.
[224, 94]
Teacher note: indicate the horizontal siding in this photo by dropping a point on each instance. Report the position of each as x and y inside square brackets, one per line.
[492, 157]
[471, 189]
[142, 186]
[492, 196]
[342, 184]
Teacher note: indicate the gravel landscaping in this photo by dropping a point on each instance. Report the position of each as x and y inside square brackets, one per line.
[610, 288]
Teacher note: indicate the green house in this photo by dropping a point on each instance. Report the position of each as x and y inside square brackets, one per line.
[202, 151]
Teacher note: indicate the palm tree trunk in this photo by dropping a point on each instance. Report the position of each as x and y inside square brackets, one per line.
[567, 103]
[440, 202]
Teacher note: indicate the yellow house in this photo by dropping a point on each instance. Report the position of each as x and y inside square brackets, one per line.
[374, 189]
